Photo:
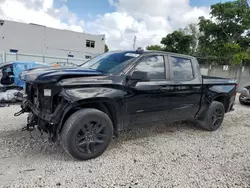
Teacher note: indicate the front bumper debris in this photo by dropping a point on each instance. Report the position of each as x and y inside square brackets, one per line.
[51, 118]
[19, 113]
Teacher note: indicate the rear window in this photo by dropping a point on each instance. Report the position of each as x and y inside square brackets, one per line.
[181, 68]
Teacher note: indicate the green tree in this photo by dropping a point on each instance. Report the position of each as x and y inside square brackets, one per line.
[106, 48]
[177, 42]
[154, 47]
[223, 33]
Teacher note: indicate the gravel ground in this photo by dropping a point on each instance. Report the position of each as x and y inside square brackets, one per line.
[175, 155]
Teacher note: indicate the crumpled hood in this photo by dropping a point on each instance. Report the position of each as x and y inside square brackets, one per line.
[53, 74]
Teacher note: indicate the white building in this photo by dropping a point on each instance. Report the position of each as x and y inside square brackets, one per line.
[49, 42]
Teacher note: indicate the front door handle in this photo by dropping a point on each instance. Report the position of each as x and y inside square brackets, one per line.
[165, 88]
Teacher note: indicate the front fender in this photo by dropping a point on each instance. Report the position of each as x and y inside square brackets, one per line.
[73, 95]
[77, 97]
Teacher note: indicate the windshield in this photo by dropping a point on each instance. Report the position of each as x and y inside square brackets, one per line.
[111, 62]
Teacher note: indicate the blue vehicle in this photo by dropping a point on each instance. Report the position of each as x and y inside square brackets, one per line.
[9, 73]
[11, 85]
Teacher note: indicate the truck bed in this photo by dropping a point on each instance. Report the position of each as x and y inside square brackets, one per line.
[217, 80]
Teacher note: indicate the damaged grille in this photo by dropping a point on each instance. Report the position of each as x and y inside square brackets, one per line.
[35, 94]
[36, 99]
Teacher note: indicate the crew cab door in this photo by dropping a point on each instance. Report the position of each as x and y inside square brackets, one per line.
[185, 90]
[149, 101]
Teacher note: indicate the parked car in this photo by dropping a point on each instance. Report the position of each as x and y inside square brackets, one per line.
[11, 85]
[244, 97]
[89, 104]
[10, 71]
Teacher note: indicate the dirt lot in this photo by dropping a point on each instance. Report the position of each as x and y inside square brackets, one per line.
[176, 155]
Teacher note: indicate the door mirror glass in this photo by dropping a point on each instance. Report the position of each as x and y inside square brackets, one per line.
[139, 76]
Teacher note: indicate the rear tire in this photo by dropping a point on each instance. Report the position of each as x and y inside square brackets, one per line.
[86, 134]
[214, 116]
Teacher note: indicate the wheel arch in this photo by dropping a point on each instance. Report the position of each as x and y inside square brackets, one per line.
[224, 99]
[108, 106]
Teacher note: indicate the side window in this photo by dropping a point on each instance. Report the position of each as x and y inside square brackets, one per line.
[154, 66]
[181, 68]
[90, 43]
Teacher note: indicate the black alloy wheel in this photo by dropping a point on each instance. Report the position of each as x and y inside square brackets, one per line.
[217, 117]
[91, 137]
[87, 133]
[214, 116]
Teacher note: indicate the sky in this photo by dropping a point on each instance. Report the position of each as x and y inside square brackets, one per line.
[119, 20]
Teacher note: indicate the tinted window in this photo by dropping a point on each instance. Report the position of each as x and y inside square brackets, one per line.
[182, 68]
[154, 65]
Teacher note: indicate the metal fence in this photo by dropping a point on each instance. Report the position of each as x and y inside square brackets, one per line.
[66, 61]
[240, 73]
[2, 60]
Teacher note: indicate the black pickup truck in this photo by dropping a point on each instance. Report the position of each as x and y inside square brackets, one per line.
[88, 105]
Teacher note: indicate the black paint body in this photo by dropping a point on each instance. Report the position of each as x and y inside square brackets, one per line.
[126, 101]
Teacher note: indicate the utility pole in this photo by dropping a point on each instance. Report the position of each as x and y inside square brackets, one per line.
[134, 42]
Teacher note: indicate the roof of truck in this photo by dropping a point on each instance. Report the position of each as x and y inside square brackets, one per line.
[141, 51]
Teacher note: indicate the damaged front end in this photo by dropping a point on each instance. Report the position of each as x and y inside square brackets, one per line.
[44, 102]
[45, 108]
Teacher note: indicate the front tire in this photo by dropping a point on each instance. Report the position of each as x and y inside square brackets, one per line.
[86, 134]
[214, 116]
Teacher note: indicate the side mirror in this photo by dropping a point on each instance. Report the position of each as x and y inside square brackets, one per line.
[244, 92]
[139, 76]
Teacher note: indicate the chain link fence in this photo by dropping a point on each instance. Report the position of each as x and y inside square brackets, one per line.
[64, 61]
[2, 60]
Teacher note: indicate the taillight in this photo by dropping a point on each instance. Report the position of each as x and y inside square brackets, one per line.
[236, 88]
